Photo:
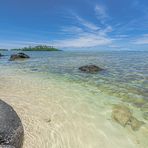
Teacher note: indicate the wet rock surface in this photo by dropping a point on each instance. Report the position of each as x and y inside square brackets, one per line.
[18, 56]
[122, 115]
[11, 129]
[90, 68]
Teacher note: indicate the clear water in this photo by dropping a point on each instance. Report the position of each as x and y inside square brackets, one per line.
[125, 74]
[49, 85]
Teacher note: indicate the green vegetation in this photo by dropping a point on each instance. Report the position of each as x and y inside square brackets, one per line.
[38, 48]
[3, 49]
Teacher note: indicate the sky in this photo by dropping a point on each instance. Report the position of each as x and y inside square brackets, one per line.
[75, 24]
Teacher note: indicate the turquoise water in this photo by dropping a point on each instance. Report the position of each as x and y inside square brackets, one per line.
[50, 86]
[125, 74]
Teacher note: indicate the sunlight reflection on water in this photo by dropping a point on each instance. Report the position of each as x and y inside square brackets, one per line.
[50, 86]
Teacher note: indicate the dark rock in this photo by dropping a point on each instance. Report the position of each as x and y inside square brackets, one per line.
[19, 56]
[11, 129]
[34, 69]
[90, 68]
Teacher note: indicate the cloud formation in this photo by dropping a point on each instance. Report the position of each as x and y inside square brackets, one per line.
[86, 33]
[87, 24]
[143, 40]
[101, 13]
[85, 40]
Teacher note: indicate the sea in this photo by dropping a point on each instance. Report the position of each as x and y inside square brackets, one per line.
[63, 107]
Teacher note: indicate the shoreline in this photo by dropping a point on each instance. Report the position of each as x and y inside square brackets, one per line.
[51, 108]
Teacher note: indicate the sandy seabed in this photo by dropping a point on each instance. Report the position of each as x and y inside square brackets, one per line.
[62, 114]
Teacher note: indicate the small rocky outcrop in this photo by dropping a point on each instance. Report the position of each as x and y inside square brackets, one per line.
[90, 68]
[11, 129]
[122, 115]
[18, 56]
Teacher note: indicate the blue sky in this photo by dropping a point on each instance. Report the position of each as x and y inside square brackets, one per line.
[75, 24]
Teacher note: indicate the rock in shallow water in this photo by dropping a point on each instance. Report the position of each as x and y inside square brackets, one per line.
[135, 123]
[90, 68]
[122, 115]
[18, 56]
[11, 129]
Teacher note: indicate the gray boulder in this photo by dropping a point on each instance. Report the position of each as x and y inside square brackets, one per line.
[18, 56]
[90, 68]
[11, 129]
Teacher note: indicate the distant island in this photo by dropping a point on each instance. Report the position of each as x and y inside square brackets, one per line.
[3, 49]
[38, 48]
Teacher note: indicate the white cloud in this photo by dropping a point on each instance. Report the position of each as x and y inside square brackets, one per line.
[87, 40]
[86, 33]
[142, 40]
[106, 30]
[100, 11]
[83, 34]
[87, 24]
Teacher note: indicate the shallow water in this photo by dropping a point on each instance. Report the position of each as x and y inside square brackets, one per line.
[61, 107]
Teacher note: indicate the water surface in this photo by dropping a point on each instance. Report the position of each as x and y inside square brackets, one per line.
[63, 107]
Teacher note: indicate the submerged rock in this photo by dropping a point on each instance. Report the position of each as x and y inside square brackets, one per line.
[90, 68]
[135, 123]
[122, 115]
[18, 56]
[11, 129]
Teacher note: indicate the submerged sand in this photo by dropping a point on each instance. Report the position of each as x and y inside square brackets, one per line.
[61, 114]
